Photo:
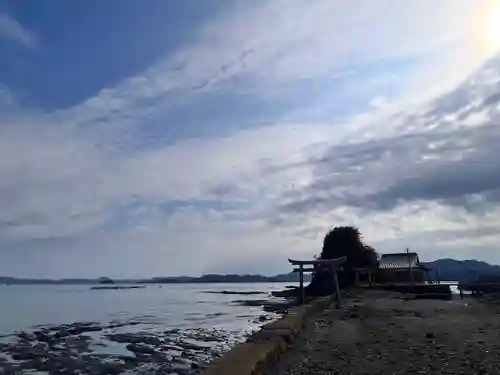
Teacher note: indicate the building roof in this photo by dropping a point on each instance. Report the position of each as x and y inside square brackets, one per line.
[399, 260]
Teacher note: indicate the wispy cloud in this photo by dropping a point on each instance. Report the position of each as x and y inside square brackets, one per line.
[13, 31]
[402, 169]
[426, 171]
[268, 44]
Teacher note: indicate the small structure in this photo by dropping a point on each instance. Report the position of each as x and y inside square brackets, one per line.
[328, 265]
[401, 268]
[364, 276]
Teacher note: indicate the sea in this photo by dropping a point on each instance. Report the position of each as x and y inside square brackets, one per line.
[155, 329]
[190, 316]
[157, 306]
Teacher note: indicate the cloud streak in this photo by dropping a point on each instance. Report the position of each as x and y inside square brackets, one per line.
[87, 183]
[282, 43]
[444, 152]
[13, 31]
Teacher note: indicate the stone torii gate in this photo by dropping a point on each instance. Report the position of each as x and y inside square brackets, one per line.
[318, 266]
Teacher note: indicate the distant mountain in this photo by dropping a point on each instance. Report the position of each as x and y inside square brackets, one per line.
[448, 269]
[288, 277]
[229, 278]
[15, 280]
[462, 270]
[209, 278]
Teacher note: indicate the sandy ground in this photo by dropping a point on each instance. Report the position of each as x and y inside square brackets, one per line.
[379, 333]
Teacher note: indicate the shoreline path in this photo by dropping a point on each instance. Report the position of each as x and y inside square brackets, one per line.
[377, 332]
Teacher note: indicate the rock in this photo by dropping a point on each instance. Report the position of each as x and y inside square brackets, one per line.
[25, 336]
[33, 364]
[196, 366]
[81, 329]
[430, 335]
[65, 350]
[45, 364]
[111, 368]
[23, 351]
[187, 345]
[135, 338]
[151, 340]
[9, 368]
[78, 343]
[180, 361]
[61, 333]
[39, 348]
[42, 336]
[129, 360]
[172, 331]
[251, 302]
[118, 324]
[23, 356]
[171, 347]
[55, 345]
[141, 348]
[120, 337]
[277, 307]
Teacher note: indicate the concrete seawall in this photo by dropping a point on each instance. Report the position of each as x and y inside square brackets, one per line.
[267, 344]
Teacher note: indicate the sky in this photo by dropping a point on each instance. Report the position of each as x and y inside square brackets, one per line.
[150, 138]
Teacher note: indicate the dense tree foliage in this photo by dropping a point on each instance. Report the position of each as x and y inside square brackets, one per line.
[339, 242]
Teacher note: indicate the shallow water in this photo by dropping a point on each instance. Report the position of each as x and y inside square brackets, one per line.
[156, 306]
[182, 326]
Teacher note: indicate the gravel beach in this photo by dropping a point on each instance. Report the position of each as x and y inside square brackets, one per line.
[377, 332]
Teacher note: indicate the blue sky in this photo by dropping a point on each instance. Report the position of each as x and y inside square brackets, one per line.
[145, 138]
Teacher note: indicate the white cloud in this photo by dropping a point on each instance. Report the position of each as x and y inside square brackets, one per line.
[70, 184]
[72, 174]
[73, 188]
[13, 31]
[280, 42]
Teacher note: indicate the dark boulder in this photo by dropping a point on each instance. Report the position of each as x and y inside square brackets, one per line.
[141, 349]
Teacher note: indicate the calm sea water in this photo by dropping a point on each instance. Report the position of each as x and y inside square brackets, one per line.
[157, 307]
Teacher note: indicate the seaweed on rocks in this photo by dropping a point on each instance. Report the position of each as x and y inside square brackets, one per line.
[63, 348]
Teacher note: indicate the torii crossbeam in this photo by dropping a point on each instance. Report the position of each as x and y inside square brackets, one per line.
[318, 265]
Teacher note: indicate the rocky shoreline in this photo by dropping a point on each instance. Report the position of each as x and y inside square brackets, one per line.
[120, 347]
[83, 348]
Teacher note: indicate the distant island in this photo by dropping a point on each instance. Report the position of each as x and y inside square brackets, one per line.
[448, 269]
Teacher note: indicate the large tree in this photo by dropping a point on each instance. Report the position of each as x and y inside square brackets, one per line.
[339, 242]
